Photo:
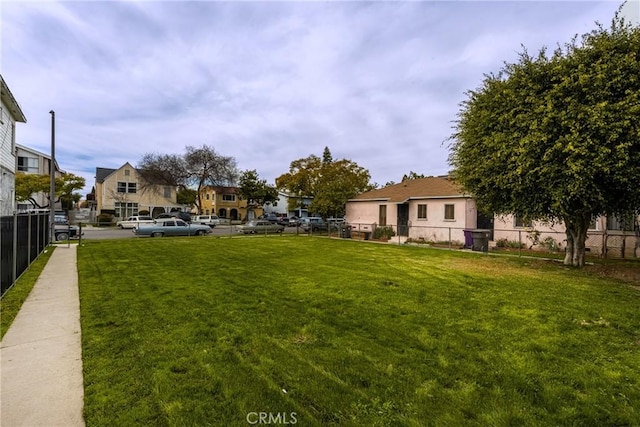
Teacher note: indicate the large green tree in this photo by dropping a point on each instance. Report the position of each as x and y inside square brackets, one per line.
[557, 137]
[28, 185]
[255, 191]
[327, 182]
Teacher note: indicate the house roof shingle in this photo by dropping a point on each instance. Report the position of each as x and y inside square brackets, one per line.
[422, 188]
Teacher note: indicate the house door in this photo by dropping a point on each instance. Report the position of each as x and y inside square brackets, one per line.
[403, 220]
[485, 222]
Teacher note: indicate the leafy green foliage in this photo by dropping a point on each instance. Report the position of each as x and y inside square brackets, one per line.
[384, 232]
[256, 191]
[557, 137]
[186, 196]
[329, 183]
[27, 185]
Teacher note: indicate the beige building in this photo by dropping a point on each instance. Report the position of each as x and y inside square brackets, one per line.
[121, 192]
[433, 209]
[31, 161]
[226, 203]
[611, 235]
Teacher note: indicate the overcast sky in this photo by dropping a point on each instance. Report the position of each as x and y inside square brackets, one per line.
[266, 82]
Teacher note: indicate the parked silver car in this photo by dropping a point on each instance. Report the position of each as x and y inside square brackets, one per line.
[313, 223]
[260, 226]
[171, 227]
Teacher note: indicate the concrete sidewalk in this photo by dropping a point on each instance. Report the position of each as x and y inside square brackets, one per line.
[41, 354]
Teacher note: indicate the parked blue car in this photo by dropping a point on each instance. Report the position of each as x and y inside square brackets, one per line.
[171, 227]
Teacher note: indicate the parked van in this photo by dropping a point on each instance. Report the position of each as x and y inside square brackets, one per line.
[210, 220]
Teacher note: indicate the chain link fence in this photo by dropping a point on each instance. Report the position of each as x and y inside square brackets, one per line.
[604, 244]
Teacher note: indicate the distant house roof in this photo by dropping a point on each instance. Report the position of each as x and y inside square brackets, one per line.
[11, 103]
[103, 173]
[412, 189]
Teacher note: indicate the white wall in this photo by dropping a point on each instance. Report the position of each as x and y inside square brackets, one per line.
[7, 162]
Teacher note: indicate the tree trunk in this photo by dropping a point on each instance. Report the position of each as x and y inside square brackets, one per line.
[576, 230]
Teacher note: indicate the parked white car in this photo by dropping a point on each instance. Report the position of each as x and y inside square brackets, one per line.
[210, 220]
[135, 221]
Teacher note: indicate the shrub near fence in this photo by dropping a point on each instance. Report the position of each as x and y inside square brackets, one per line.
[605, 244]
[22, 238]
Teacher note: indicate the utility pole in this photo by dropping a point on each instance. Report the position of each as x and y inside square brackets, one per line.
[52, 173]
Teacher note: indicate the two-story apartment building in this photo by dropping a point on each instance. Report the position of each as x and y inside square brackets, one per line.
[290, 205]
[32, 161]
[122, 192]
[10, 114]
[226, 203]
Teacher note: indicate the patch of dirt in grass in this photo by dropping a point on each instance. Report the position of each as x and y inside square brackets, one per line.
[627, 273]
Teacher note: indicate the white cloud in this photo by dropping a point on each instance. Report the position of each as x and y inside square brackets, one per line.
[265, 82]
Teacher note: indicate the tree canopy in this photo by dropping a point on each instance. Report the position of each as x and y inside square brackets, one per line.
[327, 182]
[557, 137]
[256, 191]
[197, 167]
[27, 185]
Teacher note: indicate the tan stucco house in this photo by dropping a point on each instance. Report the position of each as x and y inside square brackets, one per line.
[120, 192]
[226, 203]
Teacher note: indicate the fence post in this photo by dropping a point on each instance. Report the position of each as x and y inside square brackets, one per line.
[449, 238]
[14, 267]
[519, 243]
[29, 237]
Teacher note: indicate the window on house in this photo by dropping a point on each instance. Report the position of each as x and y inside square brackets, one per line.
[28, 164]
[126, 209]
[229, 197]
[422, 211]
[382, 215]
[621, 222]
[206, 196]
[127, 172]
[167, 192]
[127, 187]
[519, 222]
[449, 212]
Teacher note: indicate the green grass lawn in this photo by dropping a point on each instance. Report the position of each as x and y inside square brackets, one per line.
[209, 331]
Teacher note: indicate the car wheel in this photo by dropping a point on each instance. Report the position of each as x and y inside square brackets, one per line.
[121, 227]
[61, 237]
[156, 234]
[200, 233]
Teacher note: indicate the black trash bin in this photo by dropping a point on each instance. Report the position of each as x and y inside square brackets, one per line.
[346, 232]
[480, 240]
